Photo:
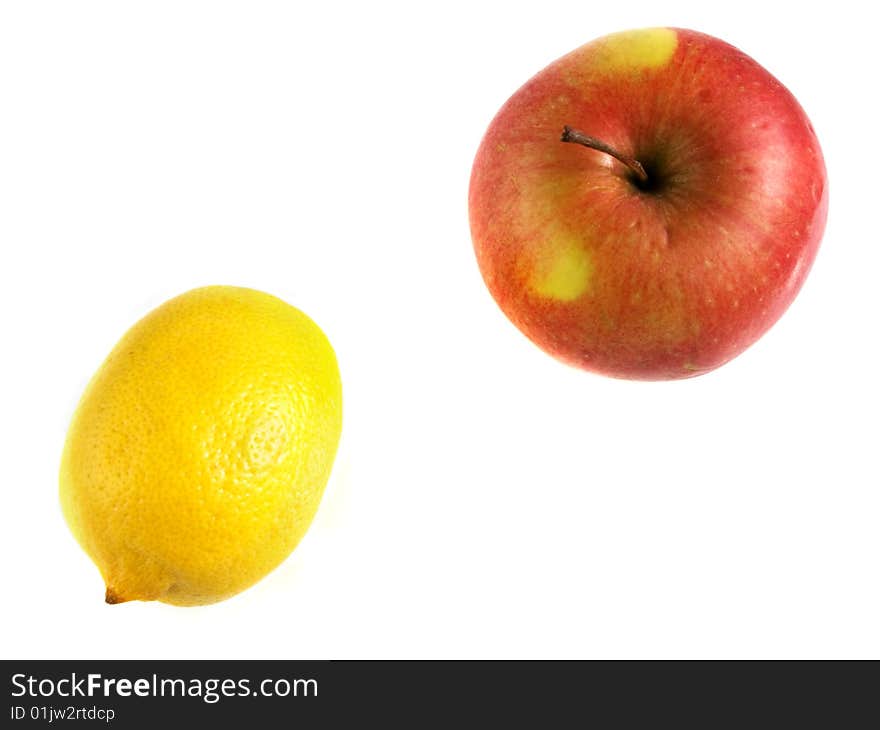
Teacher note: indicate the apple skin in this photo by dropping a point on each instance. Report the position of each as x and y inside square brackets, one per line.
[668, 280]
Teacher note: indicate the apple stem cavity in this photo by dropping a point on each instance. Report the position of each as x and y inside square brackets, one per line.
[578, 137]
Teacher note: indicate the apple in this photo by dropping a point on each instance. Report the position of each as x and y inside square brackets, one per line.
[648, 205]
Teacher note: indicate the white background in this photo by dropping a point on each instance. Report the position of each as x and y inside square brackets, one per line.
[487, 501]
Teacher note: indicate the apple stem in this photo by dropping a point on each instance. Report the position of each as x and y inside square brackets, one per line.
[578, 137]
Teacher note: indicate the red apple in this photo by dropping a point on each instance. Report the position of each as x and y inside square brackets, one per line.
[670, 225]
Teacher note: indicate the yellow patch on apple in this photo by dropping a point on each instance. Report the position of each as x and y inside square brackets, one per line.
[634, 50]
[562, 270]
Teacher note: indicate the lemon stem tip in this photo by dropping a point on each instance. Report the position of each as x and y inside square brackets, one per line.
[112, 597]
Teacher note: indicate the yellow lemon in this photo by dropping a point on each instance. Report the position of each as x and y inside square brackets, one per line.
[198, 454]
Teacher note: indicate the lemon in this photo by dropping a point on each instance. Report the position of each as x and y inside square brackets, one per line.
[199, 451]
